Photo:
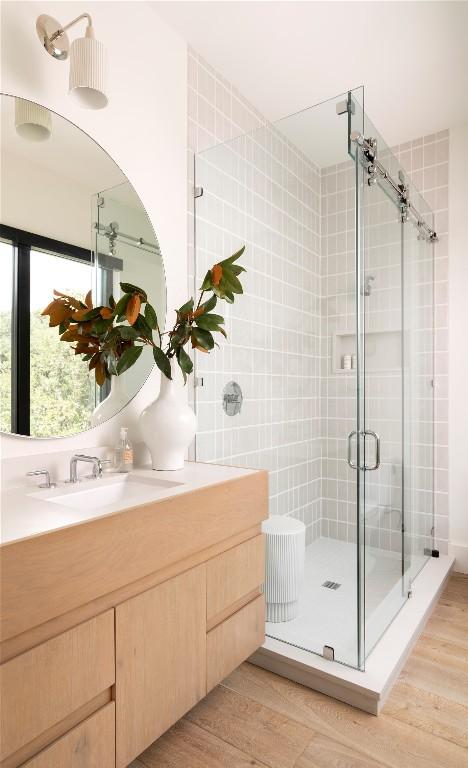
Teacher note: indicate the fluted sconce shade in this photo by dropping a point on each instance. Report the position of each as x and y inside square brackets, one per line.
[88, 72]
[32, 122]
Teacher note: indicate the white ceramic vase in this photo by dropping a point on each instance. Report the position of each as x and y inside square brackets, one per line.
[113, 403]
[168, 424]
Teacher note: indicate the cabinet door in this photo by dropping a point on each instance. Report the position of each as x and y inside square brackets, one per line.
[161, 660]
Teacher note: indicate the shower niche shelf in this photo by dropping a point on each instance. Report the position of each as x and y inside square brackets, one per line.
[383, 351]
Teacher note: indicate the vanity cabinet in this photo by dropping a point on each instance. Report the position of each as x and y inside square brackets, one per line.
[161, 660]
[179, 608]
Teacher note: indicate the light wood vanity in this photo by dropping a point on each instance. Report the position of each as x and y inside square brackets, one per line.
[113, 628]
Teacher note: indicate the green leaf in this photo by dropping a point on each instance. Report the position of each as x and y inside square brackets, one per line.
[130, 288]
[185, 362]
[129, 357]
[210, 304]
[63, 326]
[126, 332]
[204, 338]
[236, 269]
[151, 317]
[225, 294]
[233, 258]
[142, 327]
[231, 282]
[90, 315]
[101, 326]
[207, 282]
[162, 362]
[111, 302]
[181, 335]
[121, 305]
[111, 362]
[209, 322]
[186, 308]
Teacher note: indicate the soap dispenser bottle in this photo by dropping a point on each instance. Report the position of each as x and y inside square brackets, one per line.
[123, 457]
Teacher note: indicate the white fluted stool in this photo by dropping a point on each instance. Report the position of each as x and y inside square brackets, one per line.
[285, 550]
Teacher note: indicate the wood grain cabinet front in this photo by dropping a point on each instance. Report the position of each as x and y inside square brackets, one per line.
[44, 686]
[232, 641]
[90, 745]
[233, 578]
[161, 660]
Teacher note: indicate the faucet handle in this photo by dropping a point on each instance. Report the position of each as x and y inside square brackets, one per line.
[37, 472]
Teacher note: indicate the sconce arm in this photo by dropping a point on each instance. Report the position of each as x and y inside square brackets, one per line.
[60, 31]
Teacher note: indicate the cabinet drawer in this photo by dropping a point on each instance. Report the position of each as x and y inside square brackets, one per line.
[45, 685]
[90, 744]
[232, 641]
[233, 575]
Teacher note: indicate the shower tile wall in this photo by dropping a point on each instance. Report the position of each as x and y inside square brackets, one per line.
[298, 224]
[261, 191]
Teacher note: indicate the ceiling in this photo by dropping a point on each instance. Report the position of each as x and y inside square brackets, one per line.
[412, 57]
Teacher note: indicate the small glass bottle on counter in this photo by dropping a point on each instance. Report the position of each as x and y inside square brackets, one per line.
[123, 455]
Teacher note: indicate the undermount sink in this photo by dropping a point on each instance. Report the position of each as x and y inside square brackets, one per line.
[118, 491]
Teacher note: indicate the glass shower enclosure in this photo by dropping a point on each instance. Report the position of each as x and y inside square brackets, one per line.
[331, 349]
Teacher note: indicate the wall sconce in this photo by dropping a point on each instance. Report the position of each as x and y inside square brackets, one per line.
[32, 121]
[87, 59]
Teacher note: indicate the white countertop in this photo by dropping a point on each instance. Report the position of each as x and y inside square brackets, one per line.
[29, 511]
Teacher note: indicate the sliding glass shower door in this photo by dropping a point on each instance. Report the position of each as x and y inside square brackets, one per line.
[393, 435]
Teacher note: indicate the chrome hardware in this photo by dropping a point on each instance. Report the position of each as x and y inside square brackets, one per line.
[345, 106]
[348, 458]
[328, 653]
[372, 174]
[367, 289]
[45, 472]
[331, 585]
[369, 154]
[198, 381]
[366, 432]
[232, 399]
[373, 434]
[94, 460]
[197, 192]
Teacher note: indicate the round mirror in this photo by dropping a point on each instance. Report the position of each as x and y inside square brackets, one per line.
[74, 237]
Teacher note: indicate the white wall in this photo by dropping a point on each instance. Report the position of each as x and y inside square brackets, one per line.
[458, 350]
[143, 128]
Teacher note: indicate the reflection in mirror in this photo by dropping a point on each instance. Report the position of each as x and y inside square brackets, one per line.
[69, 221]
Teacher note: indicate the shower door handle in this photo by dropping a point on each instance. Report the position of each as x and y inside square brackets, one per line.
[348, 458]
[376, 437]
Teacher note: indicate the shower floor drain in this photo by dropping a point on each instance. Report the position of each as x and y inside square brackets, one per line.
[331, 584]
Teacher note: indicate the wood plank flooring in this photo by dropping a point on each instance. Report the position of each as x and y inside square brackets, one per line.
[255, 718]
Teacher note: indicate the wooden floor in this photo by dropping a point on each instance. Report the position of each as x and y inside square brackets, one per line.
[255, 718]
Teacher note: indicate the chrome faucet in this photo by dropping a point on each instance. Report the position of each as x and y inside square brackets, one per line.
[39, 472]
[94, 460]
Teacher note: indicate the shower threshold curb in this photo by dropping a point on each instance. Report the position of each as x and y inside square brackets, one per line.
[367, 690]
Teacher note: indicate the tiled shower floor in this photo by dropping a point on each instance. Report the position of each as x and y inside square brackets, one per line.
[329, 617]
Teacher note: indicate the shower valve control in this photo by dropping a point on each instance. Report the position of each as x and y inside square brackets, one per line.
[232, 399]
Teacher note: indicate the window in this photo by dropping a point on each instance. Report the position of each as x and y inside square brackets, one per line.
[39, 398]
